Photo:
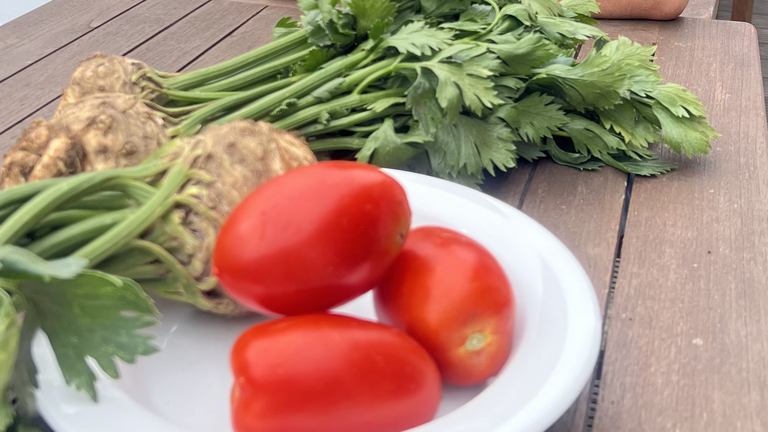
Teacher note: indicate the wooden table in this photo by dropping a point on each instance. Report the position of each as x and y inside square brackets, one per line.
[680, 263]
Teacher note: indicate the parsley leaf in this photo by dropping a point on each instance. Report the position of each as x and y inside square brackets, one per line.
[645, 167]
[630, 124]
[603, 79]
[284, 27]
[422, 101]
[382, 104]
[369, 13]
[468, 145]
[544, 8]
[418, 39]
[533, 117]
[521, 12]
[566, 32]
[16, 262]
[456, 84]
[581, 7]
[387, 148]
[24, 379]
[523, 55]
[573, 160]
[94, 315]
[589, 138]
[434, 8]
[687, 135]
[678, 100]
[10, 333]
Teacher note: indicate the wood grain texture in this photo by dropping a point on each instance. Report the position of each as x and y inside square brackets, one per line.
[760, 21]
[53, 25]
[510, 187]
[583, 209]
[172, 49]
[180, 45]
[279, 3]
[687, 346]
[706, 9]
[41, 83]
[254, 33]
[742, 10]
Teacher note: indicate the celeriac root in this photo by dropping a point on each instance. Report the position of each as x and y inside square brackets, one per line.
[103, 73]
[238, 157]
[94, 134]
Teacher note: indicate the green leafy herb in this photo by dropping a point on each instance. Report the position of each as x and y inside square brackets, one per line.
[10, 332]
[94, 315]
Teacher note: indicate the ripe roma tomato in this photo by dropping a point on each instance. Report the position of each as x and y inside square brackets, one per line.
[331, 373]
[312, 239]
[451, 295]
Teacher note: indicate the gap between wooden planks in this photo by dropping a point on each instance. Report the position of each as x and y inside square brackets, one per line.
[687, 342]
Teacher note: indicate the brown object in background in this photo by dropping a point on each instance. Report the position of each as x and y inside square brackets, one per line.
[742, 10]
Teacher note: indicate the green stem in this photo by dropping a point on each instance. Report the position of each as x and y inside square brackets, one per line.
[371, 78]
[8, 210]
[265, 105]
[349, 83]
[190, 289]
[106, 200]
[125, 260]
[140, 219]
[64, 190]
[72, 236]
[352, 101]
[147, 271]
[193, 79]
[348, 121]
[138, 190]
[193, 96]
[174, 111]
[66, 217]
[338, 143]
[258, 73]
[490, 28]
[25, 191]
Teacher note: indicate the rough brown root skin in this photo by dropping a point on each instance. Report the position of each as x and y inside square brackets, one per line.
[97, 133]
[238, 157]
[103, 73]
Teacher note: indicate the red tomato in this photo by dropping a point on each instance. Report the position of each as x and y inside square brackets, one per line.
[312, 239]
[451, 295]
[331, 373]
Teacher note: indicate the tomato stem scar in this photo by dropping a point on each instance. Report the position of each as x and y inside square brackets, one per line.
[475, 341]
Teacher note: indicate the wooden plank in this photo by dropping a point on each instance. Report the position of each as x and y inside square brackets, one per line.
[172, 49]
[277, 3]
[41, 83]
[584, 210]
[252, 34]
[687, 348]
[50, 27]
[706, 9]
[180, 45]
[742, 10]
[510, 187]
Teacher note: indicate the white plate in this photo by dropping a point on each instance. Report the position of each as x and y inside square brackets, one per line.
[185, 388]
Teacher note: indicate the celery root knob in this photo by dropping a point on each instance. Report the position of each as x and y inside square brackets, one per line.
[236, 158]
[94, 134]
[103, 73]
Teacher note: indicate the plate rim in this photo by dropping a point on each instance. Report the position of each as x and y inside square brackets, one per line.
[589, 325]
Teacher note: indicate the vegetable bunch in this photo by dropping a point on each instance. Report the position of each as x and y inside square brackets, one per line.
[455, 88]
